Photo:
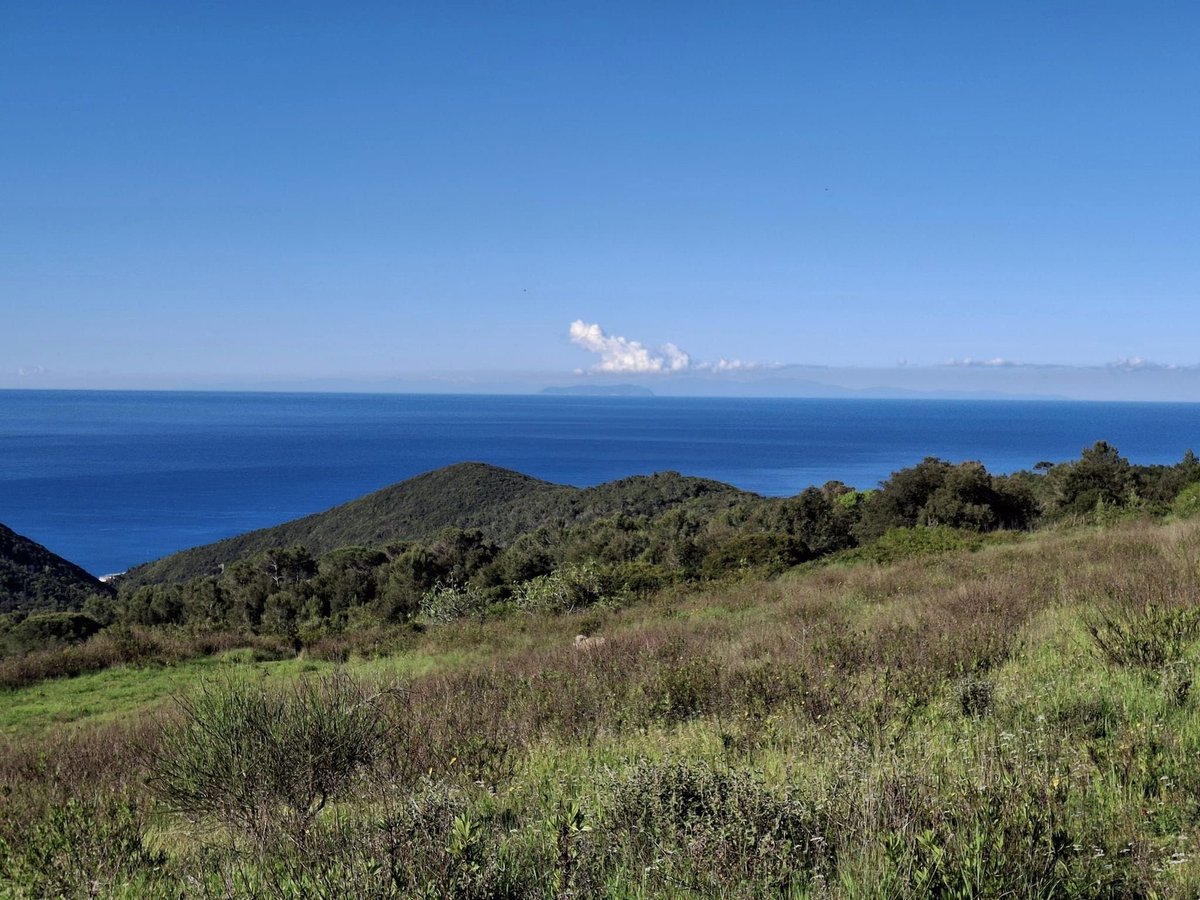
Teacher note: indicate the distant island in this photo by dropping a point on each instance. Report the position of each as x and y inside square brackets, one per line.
[600, 390]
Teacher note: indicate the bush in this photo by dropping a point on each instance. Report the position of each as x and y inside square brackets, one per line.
[717, 833]
[267, 761]
[638, 579]
[436, 846]
[89, 845]
[1187, 503]
[975, 696]
[125, 645]
[764, 553]
[903, 543]
[1146, 636]
[447, 602]
[564, 590]
[43, 631]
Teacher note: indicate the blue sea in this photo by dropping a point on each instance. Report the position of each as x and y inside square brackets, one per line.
[111, 479]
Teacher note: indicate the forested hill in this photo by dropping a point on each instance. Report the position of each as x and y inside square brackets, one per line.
[500, 502]
[32, 579]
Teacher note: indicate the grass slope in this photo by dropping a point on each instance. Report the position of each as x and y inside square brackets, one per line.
[32, 579]
[942, 726]
[500, 502]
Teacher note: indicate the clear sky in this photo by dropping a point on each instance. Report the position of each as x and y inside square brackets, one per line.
[244, 192]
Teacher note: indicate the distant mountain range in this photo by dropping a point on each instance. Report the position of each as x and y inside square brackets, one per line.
[500, 502]
[33, 579]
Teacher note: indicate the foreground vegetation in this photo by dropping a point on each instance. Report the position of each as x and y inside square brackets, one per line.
[1012, 720]
[956, 686]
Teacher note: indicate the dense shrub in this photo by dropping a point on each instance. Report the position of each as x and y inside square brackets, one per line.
[817, 520]
[904, 543]
[899, 502]
[937, 493]
[637, 579]
[88, 845]
[717, 832]
[437, 846]
[975, 695]
[1187, 503]
[680, 688]
[267, 760]
[527, 557]
[761, 553]
[346, 580]
[43, 631]
[447, 602]
[130, 645]
[1145, 635]
[563, 590]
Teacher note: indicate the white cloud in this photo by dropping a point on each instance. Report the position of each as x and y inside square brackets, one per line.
[619, 354]
[1135, 363]
[677, 360]
[1123, 364]
[727, 365]
[997, 362]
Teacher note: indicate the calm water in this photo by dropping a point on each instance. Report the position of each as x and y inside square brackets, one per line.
[110, 479]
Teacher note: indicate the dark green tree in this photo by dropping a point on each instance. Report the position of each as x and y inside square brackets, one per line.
[403, 582]
[1100, 475]
[902, 497]
[965, 499]
[347, 578]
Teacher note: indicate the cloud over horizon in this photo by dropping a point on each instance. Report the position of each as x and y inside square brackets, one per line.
[1139, 364]
[621, 355]
[997, 362]
[1123, 364]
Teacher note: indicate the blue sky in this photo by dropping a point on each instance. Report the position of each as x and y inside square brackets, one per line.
[295, 193]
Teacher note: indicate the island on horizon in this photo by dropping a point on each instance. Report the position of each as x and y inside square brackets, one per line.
[599, 390]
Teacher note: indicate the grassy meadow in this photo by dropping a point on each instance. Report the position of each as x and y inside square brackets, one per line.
[1015, 719]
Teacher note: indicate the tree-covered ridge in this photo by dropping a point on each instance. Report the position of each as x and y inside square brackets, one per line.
[32, 578]
[503, 504]
[551, 547]
[475, 541]
[464, 494]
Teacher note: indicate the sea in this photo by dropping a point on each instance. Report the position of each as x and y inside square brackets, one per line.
[110, 479]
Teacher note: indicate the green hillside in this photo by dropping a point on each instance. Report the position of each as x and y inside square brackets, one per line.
[1013, 720]
[500, 502]
[34, 579]
[958, 685]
